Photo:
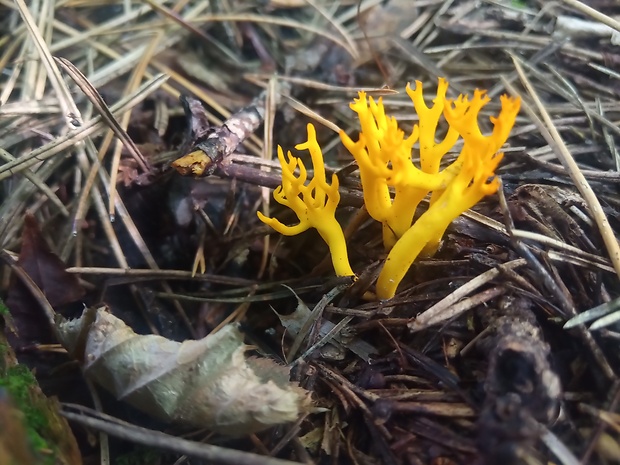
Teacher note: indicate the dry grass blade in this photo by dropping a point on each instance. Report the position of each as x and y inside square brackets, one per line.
[582, 262]
[593, 13]
[607, 320]
[95, 98]
[270, 113]
[70, 110]
[4, 60]
[303, 109]
[549, 241]
[127, 431]
[105, 27]
[333, 332]
[313, 318]
[172, 15]
[571, 95]
[454, 304]
[605, 315]
[276, 21]
[593, 314]
[351, 45]
[34, 179]
[136, 77]
[556, 141]
[259, 79]
[79, 134]
[563, 453]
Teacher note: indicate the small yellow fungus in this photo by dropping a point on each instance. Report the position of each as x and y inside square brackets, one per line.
[314, 204]
[431, 152]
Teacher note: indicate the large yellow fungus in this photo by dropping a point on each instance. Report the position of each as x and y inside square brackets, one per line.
[383, 155]
[477, 162]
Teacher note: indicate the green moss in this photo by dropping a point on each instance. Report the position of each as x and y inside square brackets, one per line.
[521, 4]
[4, 310]
[19, 382]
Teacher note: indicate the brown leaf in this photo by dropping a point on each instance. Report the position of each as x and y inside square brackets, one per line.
[47, 271]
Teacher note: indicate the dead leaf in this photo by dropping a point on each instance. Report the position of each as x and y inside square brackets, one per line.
[207, 383]
[48, 273]
[297, 323]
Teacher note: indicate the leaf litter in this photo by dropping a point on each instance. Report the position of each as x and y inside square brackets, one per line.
[48, 272]
[431, 391]
[206, 383]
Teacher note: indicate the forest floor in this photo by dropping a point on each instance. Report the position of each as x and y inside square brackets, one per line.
[500, 347]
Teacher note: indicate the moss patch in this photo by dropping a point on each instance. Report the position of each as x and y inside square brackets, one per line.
[42, 430]
[19, 382]
[4, 310]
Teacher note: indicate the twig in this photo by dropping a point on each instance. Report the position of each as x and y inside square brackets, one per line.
[447, 307]
[588, 10]
[152, 438]
[209, 153]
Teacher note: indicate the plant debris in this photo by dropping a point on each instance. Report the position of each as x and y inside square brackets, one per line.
[46, 271]
[211, 149]
[522, 390]
[32, 431]
[207, 383]
[501, 347]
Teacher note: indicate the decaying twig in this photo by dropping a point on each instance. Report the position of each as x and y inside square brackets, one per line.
[522, 389]
[138, 435]
[211, 148]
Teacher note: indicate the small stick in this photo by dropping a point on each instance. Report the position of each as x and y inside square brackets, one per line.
[153, 438]
[209, 152]
[593, 13]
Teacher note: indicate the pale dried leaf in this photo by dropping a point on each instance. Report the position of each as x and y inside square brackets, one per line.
[207, 383]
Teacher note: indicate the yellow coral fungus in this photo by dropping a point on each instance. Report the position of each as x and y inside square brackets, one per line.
[431, 152]
[383, 155]
[478, 161]
[314, 204]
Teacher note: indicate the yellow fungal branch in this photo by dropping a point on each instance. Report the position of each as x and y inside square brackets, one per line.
[431, 151]
[478, 161]
[314, 204]
[383, 155]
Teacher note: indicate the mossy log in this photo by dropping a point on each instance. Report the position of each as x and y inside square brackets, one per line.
[32, 431]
